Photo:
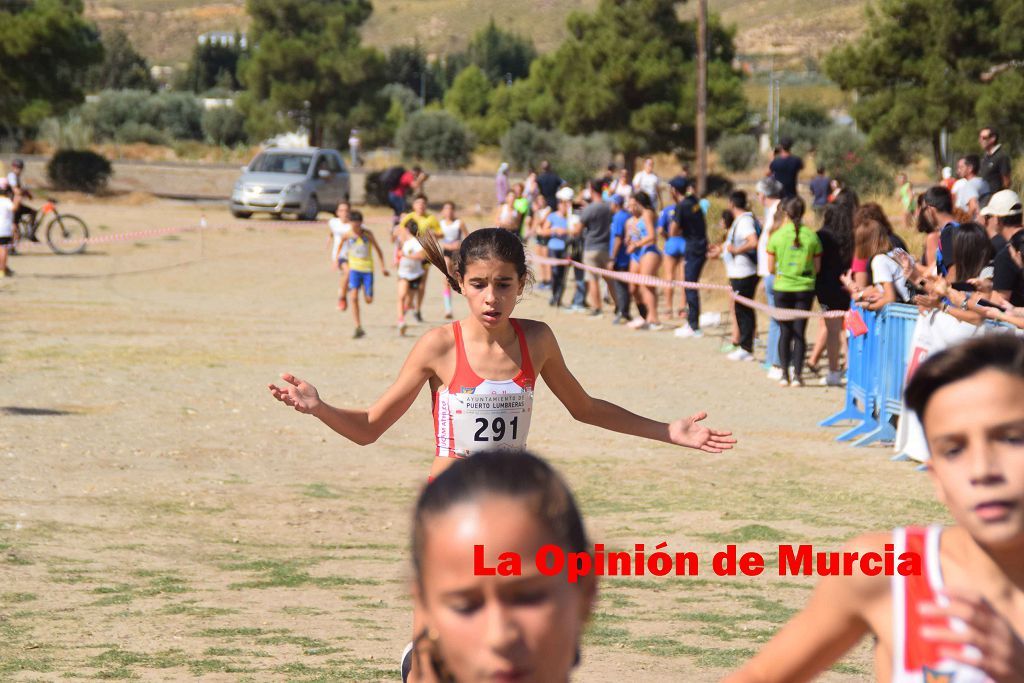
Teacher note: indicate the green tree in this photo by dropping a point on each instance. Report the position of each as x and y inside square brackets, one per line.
[123, 68]
[501, 54]
[469, 94]
[408, 65]
[628, 70]
[44, 47]
[918, 68]
[306, 65]
[1000, 105]
[213, 65]
[224, 126]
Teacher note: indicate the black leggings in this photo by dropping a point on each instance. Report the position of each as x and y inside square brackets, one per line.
[558, 274]
[792, 345]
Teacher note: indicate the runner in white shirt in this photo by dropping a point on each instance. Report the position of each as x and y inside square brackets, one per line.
[410, 271]
[453, 231]
[340, 229]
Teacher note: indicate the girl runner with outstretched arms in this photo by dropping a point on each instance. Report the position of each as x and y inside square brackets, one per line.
[469, 362]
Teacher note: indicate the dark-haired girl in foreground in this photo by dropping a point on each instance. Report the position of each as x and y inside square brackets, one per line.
[523, 628]
[483, 370]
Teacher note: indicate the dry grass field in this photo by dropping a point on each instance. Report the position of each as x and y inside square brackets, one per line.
[162, 518]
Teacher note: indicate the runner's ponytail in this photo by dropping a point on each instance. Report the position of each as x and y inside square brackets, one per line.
[435, 255]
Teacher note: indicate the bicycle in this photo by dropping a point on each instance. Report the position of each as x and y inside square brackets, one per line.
[66, 234]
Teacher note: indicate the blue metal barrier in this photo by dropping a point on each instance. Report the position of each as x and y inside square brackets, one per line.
[858, 377]
[877, 371]
[893, 357]
[877, 368]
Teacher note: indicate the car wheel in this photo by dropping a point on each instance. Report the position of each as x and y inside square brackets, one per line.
[241, 214]
[310, 209]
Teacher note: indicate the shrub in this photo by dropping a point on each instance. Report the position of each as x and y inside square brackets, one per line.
[844, 152]
[115, 108]
[176, 113]
[224, 126]
[133, 131]
[435, 136]
[737, 152]
[78, 169]
[133, 115]
[524, 145]
[69, 132]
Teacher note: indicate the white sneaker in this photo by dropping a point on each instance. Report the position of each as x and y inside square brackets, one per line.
[832, 379]
[636, 323]
[740, 354]
[775, 372]
[687, 332]
[655, 327]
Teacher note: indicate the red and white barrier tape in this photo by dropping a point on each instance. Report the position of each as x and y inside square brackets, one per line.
[652, 281]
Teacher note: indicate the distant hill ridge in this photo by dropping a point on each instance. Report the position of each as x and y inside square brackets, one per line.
[790, 30]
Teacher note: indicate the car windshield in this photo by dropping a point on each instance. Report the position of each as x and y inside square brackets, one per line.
[281, 163]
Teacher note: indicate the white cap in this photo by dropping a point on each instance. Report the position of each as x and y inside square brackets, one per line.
[947, 171]
[565, 194]
[1002, 203]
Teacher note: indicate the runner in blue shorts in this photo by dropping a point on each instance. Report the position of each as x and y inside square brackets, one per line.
[360, 262]
[645, 258]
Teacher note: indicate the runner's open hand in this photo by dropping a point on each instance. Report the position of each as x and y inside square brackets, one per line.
[989, 642]
[689, 432]
[301, 395]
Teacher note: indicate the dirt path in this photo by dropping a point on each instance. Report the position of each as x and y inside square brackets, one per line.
[161, 517]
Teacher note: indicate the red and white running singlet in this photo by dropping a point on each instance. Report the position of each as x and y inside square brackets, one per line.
[914, 659]
[474, 414]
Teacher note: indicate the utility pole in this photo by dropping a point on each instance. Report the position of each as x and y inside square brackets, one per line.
[702, 96]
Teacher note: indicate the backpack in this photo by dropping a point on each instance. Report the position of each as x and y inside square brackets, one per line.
[389, 179]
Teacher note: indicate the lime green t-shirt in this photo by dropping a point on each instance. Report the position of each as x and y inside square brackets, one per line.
[794, 266]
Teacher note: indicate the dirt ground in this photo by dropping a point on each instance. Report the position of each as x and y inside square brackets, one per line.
[163, 518]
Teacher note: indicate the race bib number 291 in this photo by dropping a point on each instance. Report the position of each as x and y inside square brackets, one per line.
[484, 421]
